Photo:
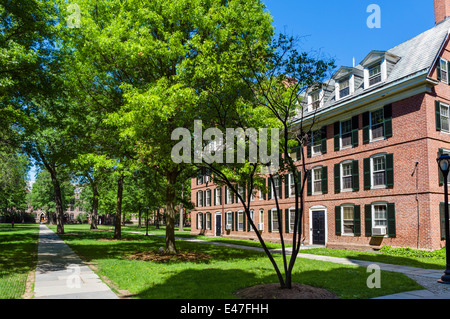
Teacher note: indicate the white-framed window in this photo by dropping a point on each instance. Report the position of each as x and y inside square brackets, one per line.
[316, 143]
[316, 180]
[344, 88]
[275, 223]
[208, 198]
[444, 70]
[275, 185]
[200, 198]
[347, 175]
[199, 221]
[315, 100]
[378, 171]
[379, 215]
[229, 220]
[252, 197]
[208, 220]
[229, 196]
[240, 220]
[444, 117]
[291, 185]
[291, 219]
[377, 125]
[218, 196]
[346, 133]
[241, 193]
[375, 74]
[348, 219]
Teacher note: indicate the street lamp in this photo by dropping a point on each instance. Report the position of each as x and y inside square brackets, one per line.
[444, 166]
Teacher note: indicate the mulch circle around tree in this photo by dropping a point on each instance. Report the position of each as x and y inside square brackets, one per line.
[274, 291]
[159, 256]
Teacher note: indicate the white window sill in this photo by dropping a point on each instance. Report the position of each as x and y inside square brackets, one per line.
[345, 147]
[346, 190]
[377, 139]
[379, 187]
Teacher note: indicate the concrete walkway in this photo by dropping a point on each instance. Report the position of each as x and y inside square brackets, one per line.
[61, 274]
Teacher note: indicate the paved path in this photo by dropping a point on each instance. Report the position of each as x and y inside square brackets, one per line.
[61, 274]
[425, 277]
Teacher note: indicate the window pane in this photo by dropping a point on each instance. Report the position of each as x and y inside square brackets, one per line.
[274, 220]
[348, 223]
[380, 216]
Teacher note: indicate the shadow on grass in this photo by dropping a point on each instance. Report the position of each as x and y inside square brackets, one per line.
[18, 246]
[214, 283]
[94, 245]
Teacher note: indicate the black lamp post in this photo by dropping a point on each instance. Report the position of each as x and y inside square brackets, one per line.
[444, 166]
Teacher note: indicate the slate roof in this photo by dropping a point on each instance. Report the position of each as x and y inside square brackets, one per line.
[416, 55]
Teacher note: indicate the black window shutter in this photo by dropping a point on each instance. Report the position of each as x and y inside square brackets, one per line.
[308, 147]
[269, 215]
[391, 219]
[286, 186]
[324, 140]
[280, 187]
[225, 195]
[325, 180]
[236, 220]
[367, 173]
[215, 192]
[448, 75]
[355, 129]
[286, 220]
[368, 219]
[437, 108]
[197, 200]
[244, 221]
[441, 176]
[269, 183]
[298, 152]
[390, 170]
[357, 220]
[355, 176]
[438, 67]
[337, 178]
[244, 193]
[309, 183]
[337, 136]
[337, 220]
[388, 120]
[366, 127]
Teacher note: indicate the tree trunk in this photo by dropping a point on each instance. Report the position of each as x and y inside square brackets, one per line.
[139, 219]
[94, 216]
[58, 201]
[118, 225]
[180, 227]
[170, 213]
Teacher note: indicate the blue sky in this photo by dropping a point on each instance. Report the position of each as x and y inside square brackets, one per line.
[338, 29]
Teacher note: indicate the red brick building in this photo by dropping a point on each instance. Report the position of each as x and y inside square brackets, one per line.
[374, 179]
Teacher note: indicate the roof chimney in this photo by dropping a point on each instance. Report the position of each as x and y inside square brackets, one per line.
[441, 10]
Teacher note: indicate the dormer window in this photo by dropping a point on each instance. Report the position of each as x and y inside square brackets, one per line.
[344, 88]
[376, 67]
[375, 74]
[315, 100]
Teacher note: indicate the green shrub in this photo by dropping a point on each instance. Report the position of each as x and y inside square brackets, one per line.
[410, 252]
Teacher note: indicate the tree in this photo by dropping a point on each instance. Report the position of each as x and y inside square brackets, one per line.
[42, 194]
[13, 187]
[278, 81]
[166, 65]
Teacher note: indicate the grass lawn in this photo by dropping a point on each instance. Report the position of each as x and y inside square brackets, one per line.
[18, 255]
[396, 256]
[227, 271]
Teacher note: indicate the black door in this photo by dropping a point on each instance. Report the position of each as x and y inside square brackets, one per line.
[318, 221]
[218, 225]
